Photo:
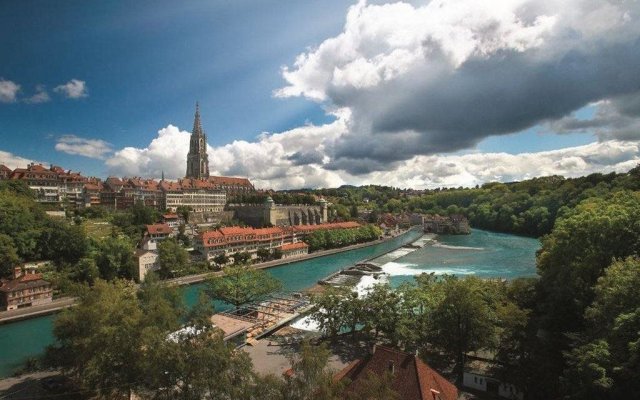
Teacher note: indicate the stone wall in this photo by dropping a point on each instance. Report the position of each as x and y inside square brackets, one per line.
[280, 215]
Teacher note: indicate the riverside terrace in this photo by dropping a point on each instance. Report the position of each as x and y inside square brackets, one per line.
[256, 319]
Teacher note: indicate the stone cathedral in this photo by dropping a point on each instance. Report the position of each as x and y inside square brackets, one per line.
[197, 159]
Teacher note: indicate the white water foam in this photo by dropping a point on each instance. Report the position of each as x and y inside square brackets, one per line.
[306, 324]
[396, 269]
[446, 246]
[401, 252]
[367, 282]
[403, 269]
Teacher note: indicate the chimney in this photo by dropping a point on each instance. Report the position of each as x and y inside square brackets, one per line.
[391, 367]
[17, 272]
[435, 394]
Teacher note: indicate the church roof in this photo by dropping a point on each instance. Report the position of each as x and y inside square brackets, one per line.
[227, 180]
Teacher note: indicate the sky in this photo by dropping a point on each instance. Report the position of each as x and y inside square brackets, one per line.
[294, 94]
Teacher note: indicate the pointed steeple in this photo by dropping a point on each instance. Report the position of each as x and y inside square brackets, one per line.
[197, 125]
[197, 159]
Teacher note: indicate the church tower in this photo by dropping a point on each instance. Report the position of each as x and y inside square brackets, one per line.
[197, 159]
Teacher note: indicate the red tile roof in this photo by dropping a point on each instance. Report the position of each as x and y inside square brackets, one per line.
[333, 225]
[25, 281]
[293, 246]
[170, 186]
[170, 216]
[413, 379]
[229, 233]
[93, 186]
[156, 229]
[228, 180]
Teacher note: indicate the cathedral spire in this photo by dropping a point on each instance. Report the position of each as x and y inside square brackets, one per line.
[197, 125]
[197, 159]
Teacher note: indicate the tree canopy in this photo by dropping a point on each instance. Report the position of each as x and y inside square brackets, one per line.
[241, 284]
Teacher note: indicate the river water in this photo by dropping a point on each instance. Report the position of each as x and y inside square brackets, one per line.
[483, 253]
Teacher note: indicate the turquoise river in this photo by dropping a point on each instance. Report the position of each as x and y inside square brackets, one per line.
[485, 254]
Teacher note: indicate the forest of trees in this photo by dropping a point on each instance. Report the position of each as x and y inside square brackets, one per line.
[528, 208]
[576, 329]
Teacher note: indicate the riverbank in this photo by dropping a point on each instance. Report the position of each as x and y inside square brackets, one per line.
[64, 302]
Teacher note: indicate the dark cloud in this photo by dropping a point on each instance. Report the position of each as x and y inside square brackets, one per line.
[615, 118]
[506, 93]
[306, 157]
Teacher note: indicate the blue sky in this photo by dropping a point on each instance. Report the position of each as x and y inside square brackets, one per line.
[348, 93]
[145, 63]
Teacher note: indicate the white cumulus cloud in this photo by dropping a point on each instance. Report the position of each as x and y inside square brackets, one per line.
[440, 76]
[91, 148]
[13, 161]
[74, 89]
[40, 96]
[8, 91]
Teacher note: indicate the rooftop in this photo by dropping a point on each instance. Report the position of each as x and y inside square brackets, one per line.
[413, 379]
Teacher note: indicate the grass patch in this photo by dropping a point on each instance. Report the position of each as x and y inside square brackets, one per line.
[97, 228]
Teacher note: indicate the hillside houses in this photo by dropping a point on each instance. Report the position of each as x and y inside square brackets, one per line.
[53, 185]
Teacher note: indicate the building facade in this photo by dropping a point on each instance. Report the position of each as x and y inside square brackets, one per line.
[234, 239]
[27, 288]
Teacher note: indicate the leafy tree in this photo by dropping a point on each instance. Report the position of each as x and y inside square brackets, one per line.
[184, 212]
[263, 254]
[277, 253]
[86, 271]
[17, 187]
[374, 387]
[99, 340]
[606, 361]
[240, 258]
[171, 257]
[577, 253]
[311, 378]
[143, 215]
[383, 311]
[62, 243]
[354, 211]
[241, 284]
[114, 258]
[465, 319]
[182, 237]
[327, 310]
[22, 220]
[8, 255]
[221, 259]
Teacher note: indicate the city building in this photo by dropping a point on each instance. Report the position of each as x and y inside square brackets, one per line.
[478, 376]
[293, 250]
[412, 378]
[5, 172]
[233, 239]
[172, 220]
[25, 289]
[146, 260]
[154, 234]
[51, 185]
